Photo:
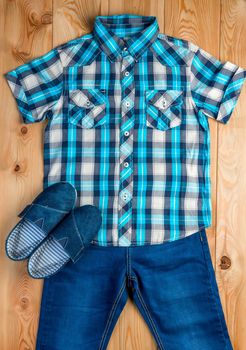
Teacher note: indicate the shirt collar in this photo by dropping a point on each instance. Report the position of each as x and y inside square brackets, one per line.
[106, 27]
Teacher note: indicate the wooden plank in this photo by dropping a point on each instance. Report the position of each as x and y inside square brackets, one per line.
[21, 167]
[231, 218]
[75, 18]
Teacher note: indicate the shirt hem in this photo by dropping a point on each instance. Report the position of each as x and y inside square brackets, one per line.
[146, 243]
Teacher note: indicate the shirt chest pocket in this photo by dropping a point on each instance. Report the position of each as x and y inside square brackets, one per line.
[87, 108]
[163, 108]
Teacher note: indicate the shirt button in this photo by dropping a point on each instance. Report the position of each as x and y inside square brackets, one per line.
[164, 103]
[125, 196]
[127, 73]
[127, 104]
[126, 164]
[126, 133]
[125, 49]
[88, 103]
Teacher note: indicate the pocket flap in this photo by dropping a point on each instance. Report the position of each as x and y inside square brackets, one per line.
[87, 108]
[87, 98]
[163, 108]
[163, 99]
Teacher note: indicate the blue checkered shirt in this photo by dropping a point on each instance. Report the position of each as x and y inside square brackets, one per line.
[127, 113]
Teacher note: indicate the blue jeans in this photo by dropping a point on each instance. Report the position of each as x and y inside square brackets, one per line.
[173, 285]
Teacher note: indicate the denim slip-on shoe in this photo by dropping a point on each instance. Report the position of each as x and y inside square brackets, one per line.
[66, 242]
[39, 218]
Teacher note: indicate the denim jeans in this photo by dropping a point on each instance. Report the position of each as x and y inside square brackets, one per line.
[172, 284]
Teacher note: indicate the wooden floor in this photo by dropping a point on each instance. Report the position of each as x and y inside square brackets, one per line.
[30, 28]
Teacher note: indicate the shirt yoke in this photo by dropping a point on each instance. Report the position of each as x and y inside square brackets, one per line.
[82, 50]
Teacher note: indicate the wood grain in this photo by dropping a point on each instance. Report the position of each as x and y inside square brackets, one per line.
[231, 182]
[218, 26]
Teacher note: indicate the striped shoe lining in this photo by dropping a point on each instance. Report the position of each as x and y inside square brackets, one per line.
[23, 239]
[47, 259]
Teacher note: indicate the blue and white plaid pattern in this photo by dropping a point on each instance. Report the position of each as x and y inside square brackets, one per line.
[127, 112]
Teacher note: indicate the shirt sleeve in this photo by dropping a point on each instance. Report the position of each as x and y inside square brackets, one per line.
[37, 86]
[215, 85]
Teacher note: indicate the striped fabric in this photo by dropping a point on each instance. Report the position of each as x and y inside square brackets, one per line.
[47, 259]
[23, 239]
[127, 110]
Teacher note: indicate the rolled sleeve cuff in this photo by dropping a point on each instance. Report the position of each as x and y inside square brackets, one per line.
[20, 96]
[231, 95]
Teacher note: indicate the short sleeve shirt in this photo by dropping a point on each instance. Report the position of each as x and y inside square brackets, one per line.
[127, 111]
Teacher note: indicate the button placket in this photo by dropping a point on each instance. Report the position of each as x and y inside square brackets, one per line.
[126, 146]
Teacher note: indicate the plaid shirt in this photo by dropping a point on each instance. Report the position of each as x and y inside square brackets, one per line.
[127, 110]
